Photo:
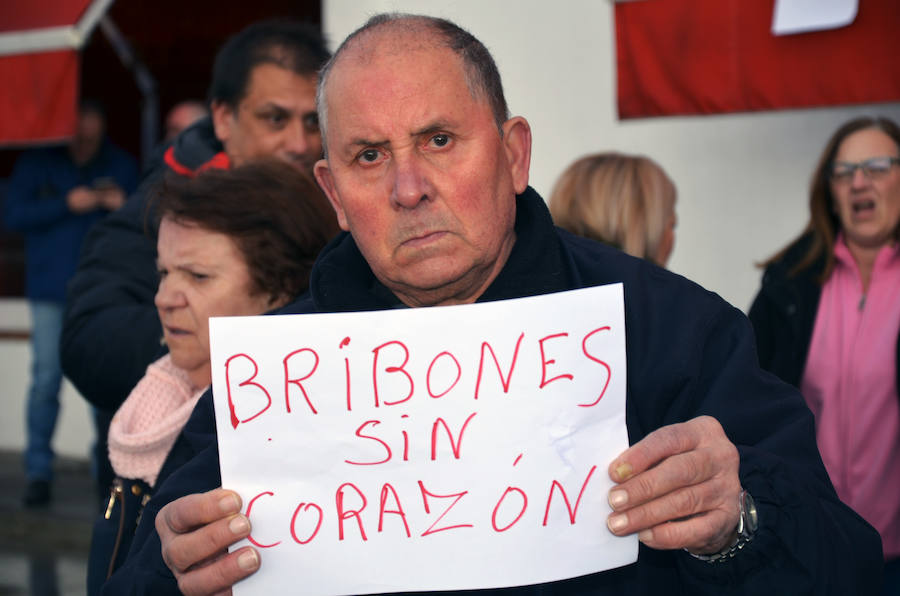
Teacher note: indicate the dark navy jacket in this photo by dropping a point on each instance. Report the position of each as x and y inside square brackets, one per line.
[689, 354]
[112, 331]
[36, 206]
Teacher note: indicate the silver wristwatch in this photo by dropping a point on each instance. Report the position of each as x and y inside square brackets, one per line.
[746, 529]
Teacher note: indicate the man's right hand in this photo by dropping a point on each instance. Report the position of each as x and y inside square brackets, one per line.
[195, 532]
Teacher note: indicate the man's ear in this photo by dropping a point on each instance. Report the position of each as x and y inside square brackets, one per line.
[517, 143]
[222, 118]
[323, 176]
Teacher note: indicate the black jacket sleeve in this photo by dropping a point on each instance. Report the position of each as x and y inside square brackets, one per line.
[808, 541]
[111, 331]
[783, 313]
[782, 317]
[762, 315]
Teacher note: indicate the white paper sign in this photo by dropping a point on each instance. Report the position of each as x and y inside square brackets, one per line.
[800, 16]
[422, 449]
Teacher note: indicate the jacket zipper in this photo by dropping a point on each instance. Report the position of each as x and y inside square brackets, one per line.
[116, 494]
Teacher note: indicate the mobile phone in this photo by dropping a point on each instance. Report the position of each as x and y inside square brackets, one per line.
[103, 183]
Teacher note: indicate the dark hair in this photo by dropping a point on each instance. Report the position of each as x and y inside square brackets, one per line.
[91, 105]
[824, 223]
[482, 76]
[276, 215]
[296, 46]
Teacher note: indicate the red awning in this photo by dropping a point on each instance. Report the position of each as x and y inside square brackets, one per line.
[711, 56]
[39, 63]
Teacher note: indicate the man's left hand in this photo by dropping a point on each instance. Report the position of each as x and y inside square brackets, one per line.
[678, 488]
[111, 198]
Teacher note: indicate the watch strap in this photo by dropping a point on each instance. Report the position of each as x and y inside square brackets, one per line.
[746, 529]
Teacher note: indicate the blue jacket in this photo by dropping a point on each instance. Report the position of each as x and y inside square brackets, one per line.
[689, 354]
[36, 206]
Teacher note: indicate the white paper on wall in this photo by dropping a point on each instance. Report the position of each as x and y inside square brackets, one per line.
[801, 16]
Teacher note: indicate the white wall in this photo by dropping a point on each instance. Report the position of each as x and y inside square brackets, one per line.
[742, 179]
[74, 432]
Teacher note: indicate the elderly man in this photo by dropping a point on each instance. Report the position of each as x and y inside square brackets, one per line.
[429, 177]
[263, 104]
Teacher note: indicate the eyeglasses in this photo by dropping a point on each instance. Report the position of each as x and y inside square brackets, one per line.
[842, 172]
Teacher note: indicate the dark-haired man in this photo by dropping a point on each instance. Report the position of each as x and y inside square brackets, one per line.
[429, 177]
[262, 99]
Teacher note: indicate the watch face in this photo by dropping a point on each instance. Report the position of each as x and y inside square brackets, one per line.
[749, 517]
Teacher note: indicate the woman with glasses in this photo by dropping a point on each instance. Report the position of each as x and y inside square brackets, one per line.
[827, 319]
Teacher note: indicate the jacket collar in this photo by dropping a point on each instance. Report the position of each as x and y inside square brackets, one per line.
[342, 280]
[196, 149]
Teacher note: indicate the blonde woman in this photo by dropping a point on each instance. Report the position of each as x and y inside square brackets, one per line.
[626, 201]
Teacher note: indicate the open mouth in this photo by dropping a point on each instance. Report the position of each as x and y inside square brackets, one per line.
[863, 206]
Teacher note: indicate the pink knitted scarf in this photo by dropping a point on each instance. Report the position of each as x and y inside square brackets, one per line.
[146, 425]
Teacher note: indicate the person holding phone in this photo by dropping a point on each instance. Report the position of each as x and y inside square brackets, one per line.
[55, 195]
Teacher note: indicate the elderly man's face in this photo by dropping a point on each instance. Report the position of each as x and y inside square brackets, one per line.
[276, 118]
[419, 174]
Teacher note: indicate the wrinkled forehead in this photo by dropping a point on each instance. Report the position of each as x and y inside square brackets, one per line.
[393, 43]
[864, 143]
[397, 46]
[393, 38]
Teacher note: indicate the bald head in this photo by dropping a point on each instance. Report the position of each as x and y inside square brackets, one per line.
[183, 115]
[395, 33]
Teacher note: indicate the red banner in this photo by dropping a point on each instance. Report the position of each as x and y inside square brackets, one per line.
[39, 99]
[23, 15]
[712, 56]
